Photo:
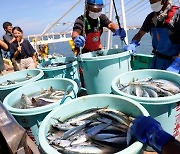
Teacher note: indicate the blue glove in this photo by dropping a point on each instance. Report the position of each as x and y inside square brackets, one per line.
[79, 41]
[175, 66]
[9, 54]
[120, 32]
[132, 46]
[149, 131]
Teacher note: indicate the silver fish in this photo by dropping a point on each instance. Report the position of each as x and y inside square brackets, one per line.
[168, 86]
[139, 91]
[11, 82]
[26, 100]
[78, 138]
[117, 115]
[145, 93]
[102, 136]
[153, 87]
[28, 76]
[116, 125]
[68, 125]
[167, 93]
[96, 129]
[42, 101]
[54, 135]
[65, 126]
[83, 115]
[58, 93]
[56, 97]
[50, 90]
[151, 92]
[45, 94]
[129, 137]
[62, 143]
[73, 131]
[116, 140]
[131, 90]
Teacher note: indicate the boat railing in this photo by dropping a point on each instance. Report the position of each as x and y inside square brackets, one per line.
[48, 38]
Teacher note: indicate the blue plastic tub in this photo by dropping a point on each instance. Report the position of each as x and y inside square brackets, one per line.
[99, 71]
[80, 104]
[163, 109]
[31, 118]
[5, 90]
[70, 70]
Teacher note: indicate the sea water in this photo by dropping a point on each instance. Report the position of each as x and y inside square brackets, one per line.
[145, 47]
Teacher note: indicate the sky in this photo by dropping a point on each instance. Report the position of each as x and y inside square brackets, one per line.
[33, 16]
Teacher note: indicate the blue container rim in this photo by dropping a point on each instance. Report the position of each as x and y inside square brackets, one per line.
[58, 67]
[102, 58]
[37, 110]
[145, 100]
[34, 78]
[43, 141]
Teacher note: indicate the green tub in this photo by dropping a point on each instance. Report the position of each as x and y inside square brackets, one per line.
[98, 71]
[80, 104]
[32, 118]
[70, 70]
[5, 90]
[163, 109]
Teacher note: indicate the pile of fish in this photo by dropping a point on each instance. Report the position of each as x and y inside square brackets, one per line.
[56, 64]
[99, 53]
[45, 97]
[9, 82]
[150, 88]
[97, 130]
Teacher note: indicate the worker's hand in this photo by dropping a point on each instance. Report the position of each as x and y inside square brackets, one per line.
[149, 131]
[132, 46]
[120, 32]
[79, 41]
[175, 66]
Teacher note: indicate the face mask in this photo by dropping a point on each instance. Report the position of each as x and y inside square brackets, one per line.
[156, 7]
[94, 15]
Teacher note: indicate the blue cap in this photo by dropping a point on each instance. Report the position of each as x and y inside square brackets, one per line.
[95, 3]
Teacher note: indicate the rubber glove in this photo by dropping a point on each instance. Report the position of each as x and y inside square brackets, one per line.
[132, 46]
[9, 54]
[149, 131]
[79, 41]
[175, 66]
[120, 32]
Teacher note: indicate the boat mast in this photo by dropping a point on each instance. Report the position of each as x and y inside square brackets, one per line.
[124, 19]
[109, 40]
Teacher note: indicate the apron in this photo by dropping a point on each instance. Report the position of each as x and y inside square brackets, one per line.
[165, 50]
[93, 41]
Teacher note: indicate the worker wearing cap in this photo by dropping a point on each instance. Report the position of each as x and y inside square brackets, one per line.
[89, 27]
[164, 26]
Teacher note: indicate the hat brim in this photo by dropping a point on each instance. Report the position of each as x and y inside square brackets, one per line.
[95, 5]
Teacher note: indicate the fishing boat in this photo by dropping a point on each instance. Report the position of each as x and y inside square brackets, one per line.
[41, 41]
[137, 62]
[38, 41]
